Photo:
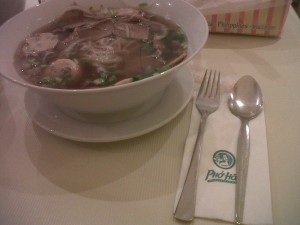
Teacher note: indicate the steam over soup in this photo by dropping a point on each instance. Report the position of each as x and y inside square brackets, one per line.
[99, 48]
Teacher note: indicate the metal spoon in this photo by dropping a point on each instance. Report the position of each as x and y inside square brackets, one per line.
[246, 103]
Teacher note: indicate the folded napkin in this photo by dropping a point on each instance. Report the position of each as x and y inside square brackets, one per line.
[217, 172]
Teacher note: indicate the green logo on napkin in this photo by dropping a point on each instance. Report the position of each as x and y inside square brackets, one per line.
[224, 159]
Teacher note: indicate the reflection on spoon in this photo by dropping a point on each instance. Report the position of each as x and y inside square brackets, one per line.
[245, 102]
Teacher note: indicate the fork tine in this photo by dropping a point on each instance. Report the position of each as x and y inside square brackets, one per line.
[215, 88]
[218, 86]
[210, 85]
[204, 85]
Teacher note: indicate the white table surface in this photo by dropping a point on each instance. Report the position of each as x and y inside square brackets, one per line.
[46, 180]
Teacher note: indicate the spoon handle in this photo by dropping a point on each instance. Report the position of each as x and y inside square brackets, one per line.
[242, 161]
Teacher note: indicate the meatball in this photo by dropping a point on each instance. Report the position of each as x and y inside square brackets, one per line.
[63, 73]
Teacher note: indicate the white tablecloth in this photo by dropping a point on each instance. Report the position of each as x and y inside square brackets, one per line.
[46, 180]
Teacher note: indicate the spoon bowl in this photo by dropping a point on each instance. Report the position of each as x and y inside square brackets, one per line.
[245, 102]
[246, 99]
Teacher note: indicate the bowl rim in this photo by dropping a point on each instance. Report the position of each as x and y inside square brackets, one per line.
[189, 57]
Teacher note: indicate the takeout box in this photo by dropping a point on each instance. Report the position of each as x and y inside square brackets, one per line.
[249, 17]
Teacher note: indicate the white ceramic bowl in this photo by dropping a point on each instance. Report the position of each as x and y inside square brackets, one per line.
[108, 99]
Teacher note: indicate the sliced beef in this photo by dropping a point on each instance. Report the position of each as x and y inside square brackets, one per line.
[39, 43]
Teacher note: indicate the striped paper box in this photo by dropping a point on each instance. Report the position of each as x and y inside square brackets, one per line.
[266, 21]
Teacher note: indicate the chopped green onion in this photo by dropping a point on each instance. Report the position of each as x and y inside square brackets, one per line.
[98, 81]
[111, 12]
[150, 72]
[112, 79]
[148, 47]
[106, 77]
[34, 62]
[136, 78]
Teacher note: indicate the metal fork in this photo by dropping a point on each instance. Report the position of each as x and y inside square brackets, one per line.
[207, 102]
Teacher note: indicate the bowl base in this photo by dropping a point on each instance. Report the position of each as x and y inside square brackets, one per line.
[114, 117]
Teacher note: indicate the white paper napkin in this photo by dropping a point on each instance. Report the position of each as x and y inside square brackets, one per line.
[216, 182]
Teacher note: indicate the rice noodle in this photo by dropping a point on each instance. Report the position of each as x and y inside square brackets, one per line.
[46, 55]
[101, 51]
[177, 60]
[68, 50]
[163, 30]
[124, 81]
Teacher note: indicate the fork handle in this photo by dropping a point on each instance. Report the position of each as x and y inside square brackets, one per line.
[185, 209]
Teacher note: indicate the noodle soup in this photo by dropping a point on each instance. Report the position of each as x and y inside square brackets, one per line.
[100, 47]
